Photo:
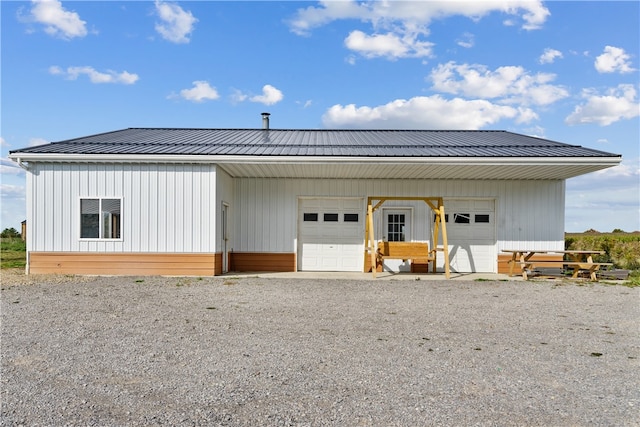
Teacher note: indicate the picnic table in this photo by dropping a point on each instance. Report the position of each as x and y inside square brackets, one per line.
[576, 260]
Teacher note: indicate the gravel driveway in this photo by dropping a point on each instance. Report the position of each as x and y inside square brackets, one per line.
[253, 351]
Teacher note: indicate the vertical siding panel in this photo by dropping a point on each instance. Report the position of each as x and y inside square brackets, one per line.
[272, 216]
[239, 213]
[187, 224]
[161, 208]
[290, 216]
[30, 200]
[231, 196]
[152, 220]
[56, 220]
[284, 216]
[196, 228]
[39, 211]
[65, 218]
[73, 201]
[203, 203]
[50, 204]
[258, 219]
[118, 191]
[128, 212]
[143, 229]
[180, 222]
[171, 208]
[83, 189]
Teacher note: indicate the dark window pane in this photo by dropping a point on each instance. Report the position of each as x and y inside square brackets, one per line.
[311, 217]
[351, 217]
[483, 218]
[89, 218]
[110, 218]
[331, 217]
[461, 218]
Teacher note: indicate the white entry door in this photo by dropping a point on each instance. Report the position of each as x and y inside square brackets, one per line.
[331, 234]
[397, 228]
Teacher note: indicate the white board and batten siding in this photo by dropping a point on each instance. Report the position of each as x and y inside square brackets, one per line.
[176, 208]
[526, 214]
[165, 207]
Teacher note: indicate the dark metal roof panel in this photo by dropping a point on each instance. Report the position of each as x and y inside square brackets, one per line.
[357, 143]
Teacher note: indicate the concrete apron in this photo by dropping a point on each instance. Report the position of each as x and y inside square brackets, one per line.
[337, 275]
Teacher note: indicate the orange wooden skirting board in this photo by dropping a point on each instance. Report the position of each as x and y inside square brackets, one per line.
[125, 264]
[262, 261]
[503, 261]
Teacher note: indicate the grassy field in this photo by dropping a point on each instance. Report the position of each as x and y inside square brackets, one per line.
[622, 249]
[12, 253]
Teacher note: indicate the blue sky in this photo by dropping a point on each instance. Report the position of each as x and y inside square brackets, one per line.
[566, 71]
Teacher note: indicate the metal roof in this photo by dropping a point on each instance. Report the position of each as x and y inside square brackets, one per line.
[455, 154]
[358, 143]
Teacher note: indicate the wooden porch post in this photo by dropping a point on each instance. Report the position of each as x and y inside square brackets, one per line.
[445, 242]
[372, 249]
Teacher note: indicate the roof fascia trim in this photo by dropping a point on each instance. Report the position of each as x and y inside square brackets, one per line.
[144, 158]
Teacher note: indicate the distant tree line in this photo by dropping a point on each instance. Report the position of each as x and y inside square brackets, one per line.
[9, 233]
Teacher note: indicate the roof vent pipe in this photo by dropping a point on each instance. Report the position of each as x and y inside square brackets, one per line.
[265, 120]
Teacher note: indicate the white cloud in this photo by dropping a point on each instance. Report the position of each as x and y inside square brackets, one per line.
[13, 206]
[467, 40]
[413, 13]
[510, 84]
[9, 167]
[177, 24]
[614, 59]
[200, 92]
[110, 76]
[237, 96]
[549, 56]
[4, 143]
[58, 22]
[388, 45]
[270, 95]
[617, 104]
[14, 191]
[433, 112]
[399, 28]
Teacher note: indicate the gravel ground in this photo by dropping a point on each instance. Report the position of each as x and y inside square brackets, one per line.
[252, 351]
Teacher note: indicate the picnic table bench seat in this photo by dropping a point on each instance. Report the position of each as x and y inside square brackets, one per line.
[577, 266]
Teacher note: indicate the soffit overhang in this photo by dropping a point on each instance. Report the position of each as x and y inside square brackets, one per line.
[323, 167]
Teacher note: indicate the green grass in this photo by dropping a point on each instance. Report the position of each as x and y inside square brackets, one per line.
[621, 249]
[12, 253]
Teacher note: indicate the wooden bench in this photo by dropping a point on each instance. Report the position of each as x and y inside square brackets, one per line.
[590, 267]
[417, 252]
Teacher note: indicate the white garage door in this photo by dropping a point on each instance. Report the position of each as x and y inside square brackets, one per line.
[331, 235]
[471, 233]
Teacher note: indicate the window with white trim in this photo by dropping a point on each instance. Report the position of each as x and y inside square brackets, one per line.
[100, 218]
[396, 227]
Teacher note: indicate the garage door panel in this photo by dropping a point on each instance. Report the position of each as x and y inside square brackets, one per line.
[334, 242]
[472, 245]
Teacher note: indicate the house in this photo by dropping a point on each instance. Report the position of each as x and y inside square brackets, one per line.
[206, 201]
